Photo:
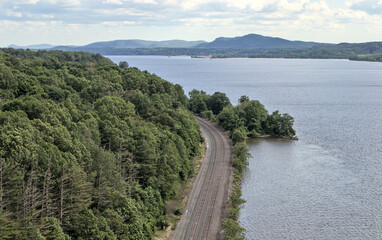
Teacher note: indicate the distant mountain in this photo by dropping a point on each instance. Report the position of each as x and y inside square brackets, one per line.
[35, 46]
[256, 41]
[136, 43]
[251, 45]
[250, 41]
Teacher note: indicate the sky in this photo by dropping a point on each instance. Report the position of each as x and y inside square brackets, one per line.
[79, 22]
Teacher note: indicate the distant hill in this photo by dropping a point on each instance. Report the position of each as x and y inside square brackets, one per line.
[256, 41]
[251, 45]
[35, 46]
[118, 46]
[250, 41]
[370, 51]
[136, 43]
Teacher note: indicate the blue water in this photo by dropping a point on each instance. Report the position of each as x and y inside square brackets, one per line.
[327, 185]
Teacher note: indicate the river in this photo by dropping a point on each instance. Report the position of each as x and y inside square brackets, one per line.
[327, 185]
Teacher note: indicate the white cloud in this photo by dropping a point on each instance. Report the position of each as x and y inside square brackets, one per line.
[170, 2]
[40, 16]
[11, 13]
[25, 1]
[64, 2]
[122, 23]
[146, 1]
[116, 2]
[212, 17]
[368, 6]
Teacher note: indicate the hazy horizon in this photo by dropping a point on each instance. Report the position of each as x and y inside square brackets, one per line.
[45, 43]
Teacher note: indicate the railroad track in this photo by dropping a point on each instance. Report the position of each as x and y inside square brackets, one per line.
[201, 219]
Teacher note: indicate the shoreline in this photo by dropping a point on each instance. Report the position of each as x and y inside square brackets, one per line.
[294, 138]
[242, 57]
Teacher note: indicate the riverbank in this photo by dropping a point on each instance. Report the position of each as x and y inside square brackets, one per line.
[294, 138]
[230, 225]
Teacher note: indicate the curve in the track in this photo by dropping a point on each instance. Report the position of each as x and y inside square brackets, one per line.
[209, 193]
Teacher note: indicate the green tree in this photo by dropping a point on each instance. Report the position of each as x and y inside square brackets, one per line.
[243, 99]
[7, 80]
[9, 228]
[123, 65]
[253, 113]
[279, 125]
[239, 135]
[52, 230]
[217, 102]
[84, 226]
[232, 230]
[229, 119]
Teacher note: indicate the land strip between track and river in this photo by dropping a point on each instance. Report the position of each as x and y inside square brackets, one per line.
[208, 198]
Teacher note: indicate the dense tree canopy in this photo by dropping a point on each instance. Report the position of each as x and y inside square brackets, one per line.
[88, 149]
[248, 118]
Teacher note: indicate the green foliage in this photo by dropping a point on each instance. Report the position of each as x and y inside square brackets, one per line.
[239, 135]
[207, 114]
[88, 149]
[53, 231]
[250, 118]
[34, 233]
[9, 228]
[279, 125]
[243, 99]
[200, 102]
[123, 65]
[232, 230]
[370, 51]
[230, 225]
[7, 80]
[217, 101]
[375, 57]
[235, 199]
[229, 120]
[86, 226]
[253, 113]
[240, 155]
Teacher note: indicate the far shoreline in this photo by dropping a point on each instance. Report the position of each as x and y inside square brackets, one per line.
[239, 57]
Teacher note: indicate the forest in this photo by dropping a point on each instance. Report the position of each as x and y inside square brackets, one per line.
[89, 149]
[377, 57]
[351, 51]
[94, 150]
[369, 51]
